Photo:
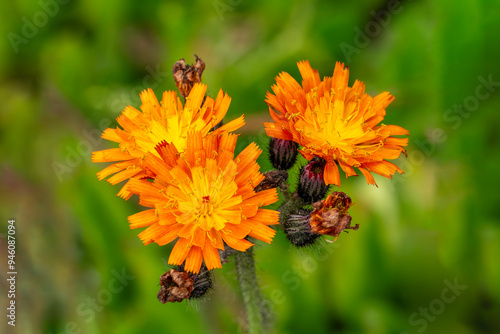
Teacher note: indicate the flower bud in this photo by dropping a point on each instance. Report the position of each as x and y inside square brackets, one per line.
[312, 187]
[298, 230]
[283, 153]
[177, 285]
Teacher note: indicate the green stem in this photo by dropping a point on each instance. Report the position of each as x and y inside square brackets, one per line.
[291, 202]
[252, 297]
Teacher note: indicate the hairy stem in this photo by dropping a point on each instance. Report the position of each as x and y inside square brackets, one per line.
[291, 202]
[252, 296]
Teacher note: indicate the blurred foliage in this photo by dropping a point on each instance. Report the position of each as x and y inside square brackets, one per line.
[85, 61]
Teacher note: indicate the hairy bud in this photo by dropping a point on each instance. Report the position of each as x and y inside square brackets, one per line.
[312, 187]
[282, 153]
[298, 230]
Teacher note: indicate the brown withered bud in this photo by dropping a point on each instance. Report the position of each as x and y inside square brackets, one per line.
[186, 76]
[175, 286]
[273, 179]
[330, 216]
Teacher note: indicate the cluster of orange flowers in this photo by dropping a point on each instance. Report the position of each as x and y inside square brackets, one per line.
[198, 191]
[202, 196]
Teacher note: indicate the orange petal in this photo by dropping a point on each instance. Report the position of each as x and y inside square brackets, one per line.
[263, 198]
[238, 231]
[195, 97]
[112, 154]
[194, 145]
[194, 259]
[143, 218]
[215, 239]
[115, 168]
[368, 176]
[397, 141]
[395, 130]
[110, 134]
[260, 231]
[384, 168]
[248, 156]
[125, 194]
[150, 103]
[238, 244]
[331, 173]
[144, 188]
[171, 233]
[340, 76]
[126, 174]
[168, 152]
[267, 217]
[151, 233]
[211, 257]
[198, 238]
[310, 77]
[179, 252]
[272, 130]
[348, 170]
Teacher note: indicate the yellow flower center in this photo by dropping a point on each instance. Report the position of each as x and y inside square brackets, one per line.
[335, 124]
[207, 197]
[174, 131]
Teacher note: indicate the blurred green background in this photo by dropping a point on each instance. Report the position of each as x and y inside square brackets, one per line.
[68, 69]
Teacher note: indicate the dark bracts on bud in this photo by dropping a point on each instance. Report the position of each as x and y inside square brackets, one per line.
[177, 284]
[312, 187]
[272, 179]
[186, 76]
[298, 230]
[330, 216]
[202, 283]
[282, 153]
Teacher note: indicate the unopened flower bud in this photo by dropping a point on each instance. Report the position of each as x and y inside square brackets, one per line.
[312, 187]
[298, 230]
[282, 153]
[177, 285]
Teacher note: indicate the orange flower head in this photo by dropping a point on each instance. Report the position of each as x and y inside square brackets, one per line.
[205, 198]
[338, 123]
[168, 122]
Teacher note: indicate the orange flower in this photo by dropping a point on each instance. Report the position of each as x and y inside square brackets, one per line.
[170, 122]
[205, 199]
[335, 122]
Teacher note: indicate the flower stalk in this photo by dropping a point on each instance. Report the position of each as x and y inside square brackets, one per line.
[252, 296]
